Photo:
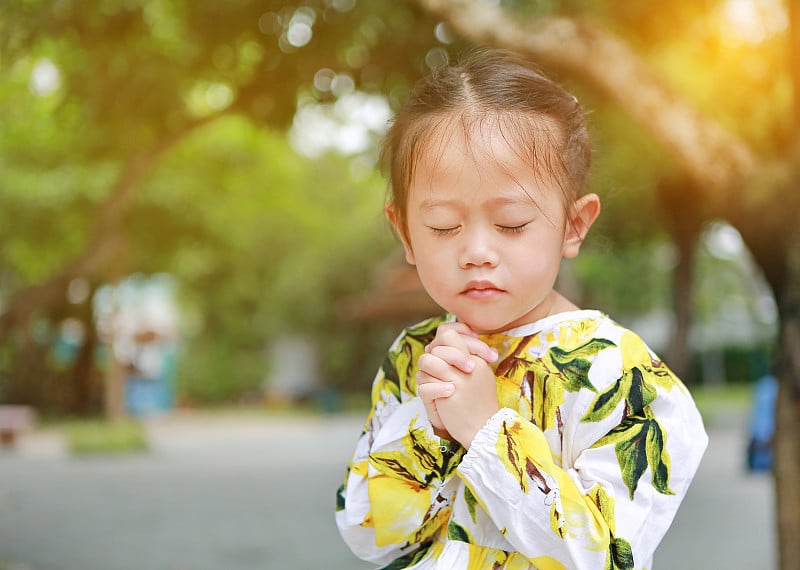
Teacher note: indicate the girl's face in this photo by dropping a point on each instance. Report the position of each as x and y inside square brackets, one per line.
[487, 233]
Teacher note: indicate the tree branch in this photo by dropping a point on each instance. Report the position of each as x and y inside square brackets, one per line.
[104, 239]
[715, 159]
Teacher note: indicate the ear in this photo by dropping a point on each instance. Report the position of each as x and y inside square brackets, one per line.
[399, 228]
[582, 214]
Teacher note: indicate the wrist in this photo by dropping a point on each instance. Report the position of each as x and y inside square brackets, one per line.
[468, 434]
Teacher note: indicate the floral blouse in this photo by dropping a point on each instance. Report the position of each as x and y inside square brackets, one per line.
[583, 467]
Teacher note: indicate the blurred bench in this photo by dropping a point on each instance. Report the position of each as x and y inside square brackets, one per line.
[13, 421]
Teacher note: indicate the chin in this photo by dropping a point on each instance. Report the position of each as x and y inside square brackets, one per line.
[484, 326]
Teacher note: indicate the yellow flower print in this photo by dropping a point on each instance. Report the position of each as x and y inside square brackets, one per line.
[399, 510]
[575, 333]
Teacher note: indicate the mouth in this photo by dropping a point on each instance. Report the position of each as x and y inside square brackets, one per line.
[481, 290]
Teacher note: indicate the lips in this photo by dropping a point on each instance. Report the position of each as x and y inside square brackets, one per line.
[481, 290]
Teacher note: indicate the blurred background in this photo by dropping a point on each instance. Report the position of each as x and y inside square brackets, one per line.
[197, 283]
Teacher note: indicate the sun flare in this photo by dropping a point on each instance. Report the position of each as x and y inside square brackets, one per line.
[752, 21]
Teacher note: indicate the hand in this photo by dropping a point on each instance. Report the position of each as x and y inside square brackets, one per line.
[459, 336]
[457, 354]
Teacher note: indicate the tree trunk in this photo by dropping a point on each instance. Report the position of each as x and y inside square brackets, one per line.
[104, 237]
[678, 355]
[684, 226]
[787, 427]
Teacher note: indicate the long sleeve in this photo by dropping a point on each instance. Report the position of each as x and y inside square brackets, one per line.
[601, 487]
[396, 497]
[583, 467]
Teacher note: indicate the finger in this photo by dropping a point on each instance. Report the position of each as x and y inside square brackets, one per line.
[436, 368]
[454, 357]
[450, 337]
[435, 390]
[448, 333]
[473, 346]
[458, 326]
[482, 350]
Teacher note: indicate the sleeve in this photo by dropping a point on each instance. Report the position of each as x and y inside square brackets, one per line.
[399, 484]
[627, 455]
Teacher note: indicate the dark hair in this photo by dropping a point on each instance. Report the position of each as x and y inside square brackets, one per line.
[497, 87]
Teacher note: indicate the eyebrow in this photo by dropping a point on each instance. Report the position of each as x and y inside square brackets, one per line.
[499, 201]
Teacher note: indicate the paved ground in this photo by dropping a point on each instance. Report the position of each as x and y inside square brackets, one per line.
[246, 494]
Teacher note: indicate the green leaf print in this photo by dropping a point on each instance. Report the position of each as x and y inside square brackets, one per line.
[401, 363]
[658, 458]
[457, 532]
[471, 501]
[621, 555]
[574, 364]
[547, 379]
[631, 385]
[389, 383]
[409, 559]
[641, 393]
[639, 444]
[606, 402]
[340, 502]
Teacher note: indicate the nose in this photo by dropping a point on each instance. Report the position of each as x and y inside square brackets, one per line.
[477, 250]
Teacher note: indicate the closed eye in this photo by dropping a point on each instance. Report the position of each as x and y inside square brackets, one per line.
[513, 229]
[444, 231]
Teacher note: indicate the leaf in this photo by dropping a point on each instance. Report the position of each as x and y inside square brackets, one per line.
[621, 554]
[630, 439]
[509, 455]
[340, 502]
[641, 392]
[638, 394]
[639, 444]
[471, 501]
[658, 458]
[409, 559]
[605, 402]
[457, 532]
[514, 361]
[398, 465]
[574, 364]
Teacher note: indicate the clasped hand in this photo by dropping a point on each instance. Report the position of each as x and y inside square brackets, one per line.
[456, 383]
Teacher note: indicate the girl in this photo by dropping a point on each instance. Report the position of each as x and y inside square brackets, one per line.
[516, 431]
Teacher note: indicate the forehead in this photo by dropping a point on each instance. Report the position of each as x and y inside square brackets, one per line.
[508, 153]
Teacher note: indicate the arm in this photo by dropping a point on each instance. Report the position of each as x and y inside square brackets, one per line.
[600, 490]
[400, 481]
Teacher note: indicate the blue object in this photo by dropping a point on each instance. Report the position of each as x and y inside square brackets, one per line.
[149, 395]
[762, 424]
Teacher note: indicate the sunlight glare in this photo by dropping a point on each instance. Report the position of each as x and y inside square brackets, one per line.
[752, 21]
[45, 78]
[349, 127]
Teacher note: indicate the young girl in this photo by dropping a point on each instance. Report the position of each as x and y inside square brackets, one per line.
[516, 431]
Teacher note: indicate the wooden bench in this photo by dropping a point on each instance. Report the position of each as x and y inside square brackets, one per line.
[13, 421]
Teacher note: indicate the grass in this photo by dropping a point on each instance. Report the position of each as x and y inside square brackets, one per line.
[98, 437]
[715, 402]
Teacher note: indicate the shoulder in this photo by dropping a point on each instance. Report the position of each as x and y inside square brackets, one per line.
[603, 332]
[606, 350]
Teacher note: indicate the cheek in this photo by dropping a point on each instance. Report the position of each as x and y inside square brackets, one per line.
[536, 258]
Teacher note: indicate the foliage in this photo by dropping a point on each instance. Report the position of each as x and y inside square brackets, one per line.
[100, 437]
[262, 240]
